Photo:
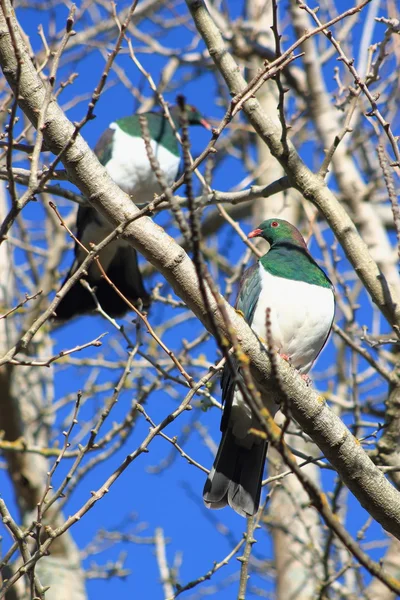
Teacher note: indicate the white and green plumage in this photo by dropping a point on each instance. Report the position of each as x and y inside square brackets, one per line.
[122, 151]
[300, 297]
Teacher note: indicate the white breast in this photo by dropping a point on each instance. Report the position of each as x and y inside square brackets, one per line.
[301, 316]
[130, 167]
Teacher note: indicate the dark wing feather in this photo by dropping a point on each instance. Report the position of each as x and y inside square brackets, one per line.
[123, 271]
[85, 215]
[249, 292]
[236, 475]
[246, 302]
[103, 148]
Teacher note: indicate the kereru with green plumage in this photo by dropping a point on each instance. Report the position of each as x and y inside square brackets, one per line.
[122, 151]
[288, 281]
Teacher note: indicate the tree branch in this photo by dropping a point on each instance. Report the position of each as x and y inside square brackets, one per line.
[344, 452]
[311, 186]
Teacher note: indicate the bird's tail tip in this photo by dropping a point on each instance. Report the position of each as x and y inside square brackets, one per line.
[235, 478]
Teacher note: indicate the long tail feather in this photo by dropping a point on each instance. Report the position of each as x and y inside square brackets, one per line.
[236, 476]
[124, 272]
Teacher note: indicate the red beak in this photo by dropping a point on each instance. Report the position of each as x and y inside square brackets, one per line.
[254, 233]
[206, 124]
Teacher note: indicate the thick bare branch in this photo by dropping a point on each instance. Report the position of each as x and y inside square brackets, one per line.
[308, 408]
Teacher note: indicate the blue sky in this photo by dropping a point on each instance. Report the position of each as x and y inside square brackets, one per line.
[140, 500]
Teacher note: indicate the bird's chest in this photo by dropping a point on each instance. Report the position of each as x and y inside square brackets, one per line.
[300, 314]
[130, 167]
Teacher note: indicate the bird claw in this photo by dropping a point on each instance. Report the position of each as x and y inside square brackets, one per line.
[239, 312]
[285, 357]
[306, 378]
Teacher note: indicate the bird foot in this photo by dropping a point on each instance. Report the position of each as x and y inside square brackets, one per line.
[306, 378]
[239, 312]
[285, 357]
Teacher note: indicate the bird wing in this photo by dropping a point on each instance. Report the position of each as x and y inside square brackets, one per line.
[103, 148]
[246, 302]
[86, 216]
[249, 292]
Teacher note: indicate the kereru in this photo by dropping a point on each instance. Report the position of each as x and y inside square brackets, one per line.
[122, 151]
[288, 281]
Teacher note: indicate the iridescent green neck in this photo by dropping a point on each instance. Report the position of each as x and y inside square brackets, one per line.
[290, 260]
[159, 128]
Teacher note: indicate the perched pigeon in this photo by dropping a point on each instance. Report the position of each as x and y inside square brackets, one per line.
[288, 281]
[122, 151]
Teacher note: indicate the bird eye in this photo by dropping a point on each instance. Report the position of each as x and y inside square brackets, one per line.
[274, 224]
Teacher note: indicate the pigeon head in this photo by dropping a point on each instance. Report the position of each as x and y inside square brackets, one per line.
[194, 116]
[278, 230]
